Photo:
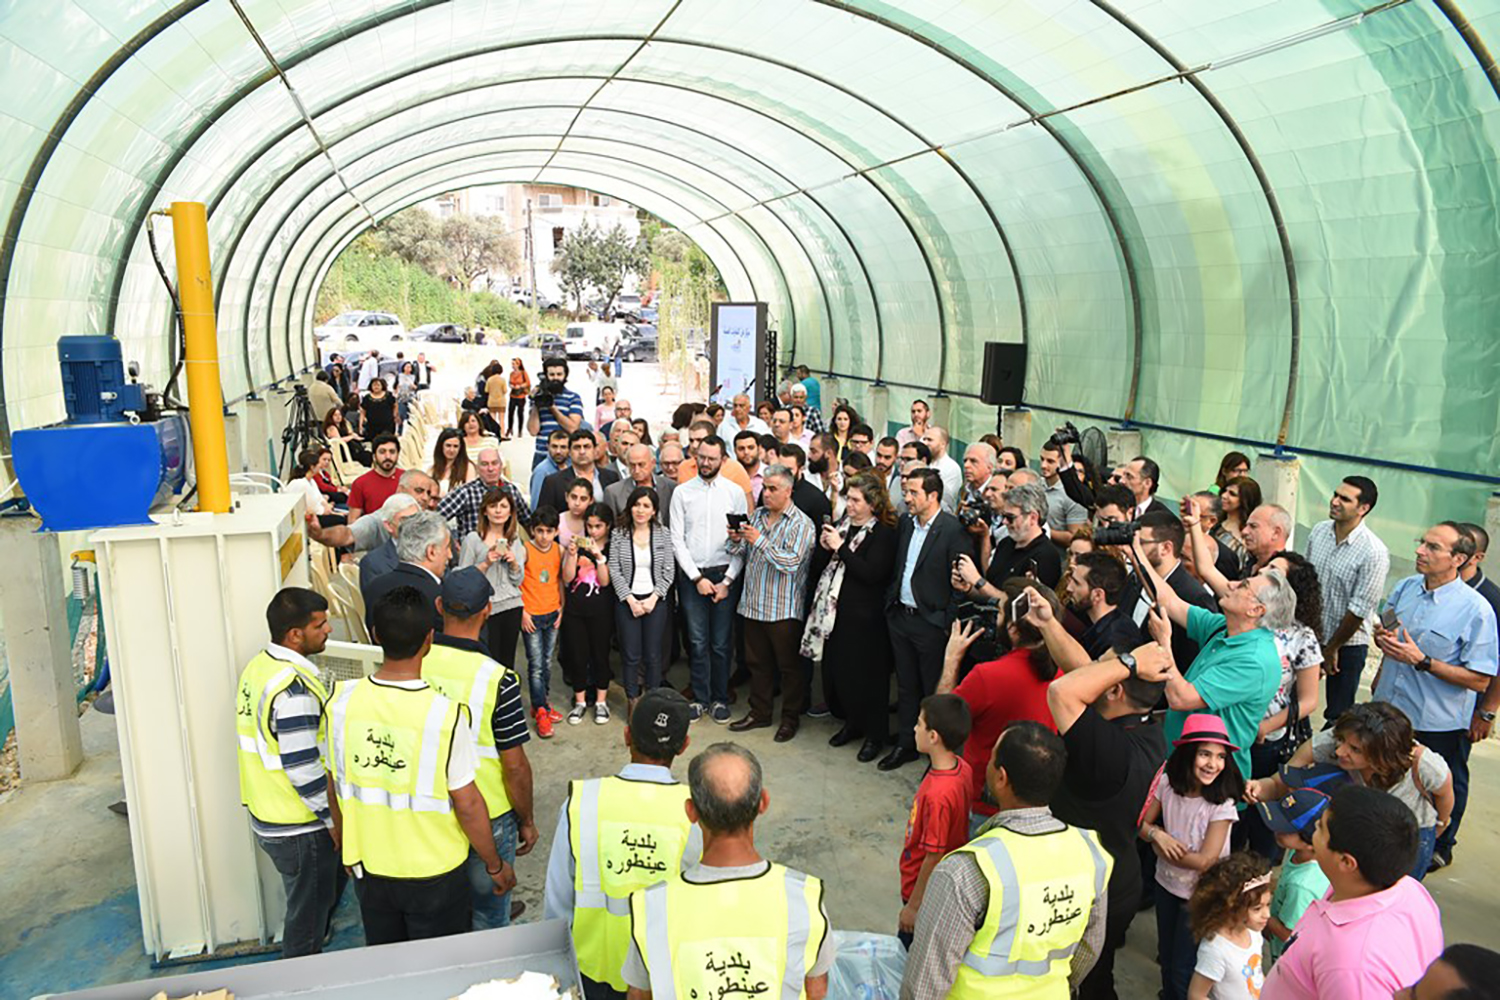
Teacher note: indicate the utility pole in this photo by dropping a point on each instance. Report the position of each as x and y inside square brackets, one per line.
[531, 267]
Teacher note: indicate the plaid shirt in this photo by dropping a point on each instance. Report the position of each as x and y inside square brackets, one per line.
[776, 566]
[814, 421]
[1352, 574]
[461, 508]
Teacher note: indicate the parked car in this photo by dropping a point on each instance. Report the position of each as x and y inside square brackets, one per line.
[441, 333]
[547, 343]
[627, 307]
[639, 343]
[591, 340]
[362, 328]
[522, 298]
[649, 315]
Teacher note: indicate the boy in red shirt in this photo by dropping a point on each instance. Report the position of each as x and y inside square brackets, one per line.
[939, 820]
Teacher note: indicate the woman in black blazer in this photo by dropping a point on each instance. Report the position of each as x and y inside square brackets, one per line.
[846, 626]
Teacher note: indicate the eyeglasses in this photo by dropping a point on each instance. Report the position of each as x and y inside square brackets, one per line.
[1427, 546]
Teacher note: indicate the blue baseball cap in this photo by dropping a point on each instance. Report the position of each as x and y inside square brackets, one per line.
[1296, 813]
[1326, 778]
[466, 592]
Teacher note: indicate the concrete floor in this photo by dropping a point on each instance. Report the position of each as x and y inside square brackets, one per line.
[68, 915]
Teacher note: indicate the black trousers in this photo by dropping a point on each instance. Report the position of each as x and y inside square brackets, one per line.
[771, 652]
[583, 648]
[917, 656]
[857, 676]
[1453, 746]
[502, 633]
[515, 416]
[410, 909]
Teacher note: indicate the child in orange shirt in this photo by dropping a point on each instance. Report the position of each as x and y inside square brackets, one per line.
[541, 612]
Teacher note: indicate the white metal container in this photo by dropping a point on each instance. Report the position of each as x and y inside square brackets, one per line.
[184, 602]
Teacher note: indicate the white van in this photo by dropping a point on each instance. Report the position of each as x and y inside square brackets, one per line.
[591, 340]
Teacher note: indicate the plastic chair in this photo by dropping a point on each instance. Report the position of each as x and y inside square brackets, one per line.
[351, 602]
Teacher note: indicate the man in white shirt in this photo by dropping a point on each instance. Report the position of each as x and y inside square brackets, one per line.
[369, 370]
[936, 440]
[707, 582]
[739, 418]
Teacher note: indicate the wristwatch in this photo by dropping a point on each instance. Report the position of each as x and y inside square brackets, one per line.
[1424, 664]
[1127, 660]
[1486, 716]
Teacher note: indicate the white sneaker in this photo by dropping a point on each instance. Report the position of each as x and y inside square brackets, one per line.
[575, 714]
[601, 713]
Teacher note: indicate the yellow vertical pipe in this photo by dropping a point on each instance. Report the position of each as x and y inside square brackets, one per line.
[205, 398]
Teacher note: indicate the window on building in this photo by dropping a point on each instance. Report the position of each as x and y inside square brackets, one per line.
[602, 201]
[496, 203]
[557, 237]
[549, 201]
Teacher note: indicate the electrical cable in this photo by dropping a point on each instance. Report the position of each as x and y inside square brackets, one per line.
[179, 343]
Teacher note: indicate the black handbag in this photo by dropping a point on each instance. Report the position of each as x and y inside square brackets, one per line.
[1298, 730]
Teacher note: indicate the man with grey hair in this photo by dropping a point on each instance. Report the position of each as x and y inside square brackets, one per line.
[777, 543]
[424, 548]
[380, 561]
[687, 932]
[741, 418]
[463, 506]
[813, 416]
[640, 463]
[370, 531]
[1024, 551]
[979, 466]
[1267, 531]
[936, 439]
[1238, 668]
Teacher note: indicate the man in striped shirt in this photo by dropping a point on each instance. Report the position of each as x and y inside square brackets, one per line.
[1352, 564]
[282, 782]
[777, 542]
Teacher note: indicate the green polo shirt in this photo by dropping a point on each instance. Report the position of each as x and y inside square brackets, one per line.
[1236, 676]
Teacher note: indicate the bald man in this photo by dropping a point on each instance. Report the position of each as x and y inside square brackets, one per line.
[936, 439]
[687, 932]
[741, 418]
[641, 465]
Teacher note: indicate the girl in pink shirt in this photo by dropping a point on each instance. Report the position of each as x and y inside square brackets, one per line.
[1187, 822]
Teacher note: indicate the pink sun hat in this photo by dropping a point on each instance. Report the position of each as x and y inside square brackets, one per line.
[1204, 727]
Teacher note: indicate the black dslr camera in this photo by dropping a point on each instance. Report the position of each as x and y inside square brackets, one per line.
[970, 516]
[1116, 534]
[1066, 434]
[981, 617]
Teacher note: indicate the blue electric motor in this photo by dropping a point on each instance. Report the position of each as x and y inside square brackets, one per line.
[97, 469]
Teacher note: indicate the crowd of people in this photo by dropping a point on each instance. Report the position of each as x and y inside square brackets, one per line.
[1117, 699]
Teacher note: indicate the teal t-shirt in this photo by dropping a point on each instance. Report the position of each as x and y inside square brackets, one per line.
[1236, 676]
[1296, 886]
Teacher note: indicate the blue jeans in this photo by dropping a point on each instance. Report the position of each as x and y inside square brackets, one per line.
[491, 910]
[710, 629]
[1343, 687]
[1453, 746]
[539, 646]
[642, 643]
[1176, 951]
[313, 876]
[1426, 841]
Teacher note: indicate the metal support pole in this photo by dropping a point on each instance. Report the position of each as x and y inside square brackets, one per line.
[205, 398]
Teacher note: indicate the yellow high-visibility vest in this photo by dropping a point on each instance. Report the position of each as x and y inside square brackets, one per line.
[474, 679]
[715, 939]
[388, 754]
[624, 835]
[264, 787]
[1042, 888]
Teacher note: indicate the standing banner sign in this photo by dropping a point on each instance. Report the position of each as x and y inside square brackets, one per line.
[737, 351]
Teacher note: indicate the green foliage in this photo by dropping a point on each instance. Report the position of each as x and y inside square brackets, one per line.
[574, 263]
[463, 248]
[369, 275]
[590, 258]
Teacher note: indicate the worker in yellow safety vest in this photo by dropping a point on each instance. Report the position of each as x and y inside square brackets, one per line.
[1032, 884]
[459, 666]
[278, 721]
[619, 834]
[735, 922]
[402, 764]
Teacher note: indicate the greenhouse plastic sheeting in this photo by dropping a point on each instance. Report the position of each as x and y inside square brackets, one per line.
[1272, 221]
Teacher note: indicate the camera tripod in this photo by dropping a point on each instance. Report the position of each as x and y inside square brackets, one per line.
[301, 430]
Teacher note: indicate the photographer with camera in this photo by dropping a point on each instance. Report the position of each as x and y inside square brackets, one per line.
[553, 406]
[1161, 536]
[1025, 551]
[1010, 688]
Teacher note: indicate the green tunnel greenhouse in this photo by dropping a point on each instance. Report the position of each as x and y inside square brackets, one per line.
[1257, 224]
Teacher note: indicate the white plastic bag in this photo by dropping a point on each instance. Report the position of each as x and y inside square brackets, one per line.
[868, 967]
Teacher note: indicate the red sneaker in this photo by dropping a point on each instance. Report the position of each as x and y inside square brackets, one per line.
[554, 714]
[544, 723]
